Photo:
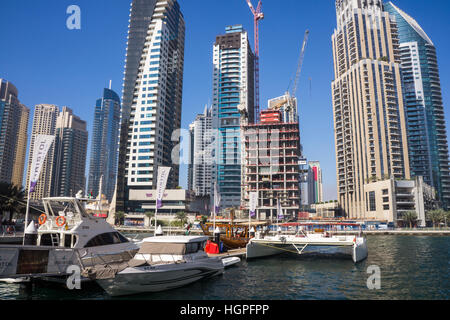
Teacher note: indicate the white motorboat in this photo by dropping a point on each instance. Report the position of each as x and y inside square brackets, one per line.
[322, 242]
[66, 236]
[162, 263]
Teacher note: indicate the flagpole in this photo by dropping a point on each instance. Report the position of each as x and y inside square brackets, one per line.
[27, 210]
[156, 218]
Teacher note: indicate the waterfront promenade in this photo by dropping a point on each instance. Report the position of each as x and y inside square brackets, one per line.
[411, 232]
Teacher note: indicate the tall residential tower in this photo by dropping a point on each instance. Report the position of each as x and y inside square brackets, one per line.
[13, 134]
[44, 122]
[427, 134]
[368, 108]
[201, 154]
[69, 161]
[155, 110]
[233, 86]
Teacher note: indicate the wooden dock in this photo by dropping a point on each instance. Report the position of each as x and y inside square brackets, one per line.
[240, 253]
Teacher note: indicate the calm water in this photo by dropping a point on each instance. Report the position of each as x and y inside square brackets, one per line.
[411, 268]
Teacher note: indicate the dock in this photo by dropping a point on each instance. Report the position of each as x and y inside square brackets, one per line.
[240, 253]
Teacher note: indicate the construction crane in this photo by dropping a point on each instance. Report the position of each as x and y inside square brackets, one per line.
[257, 15]
[300, 64]
[287, 100]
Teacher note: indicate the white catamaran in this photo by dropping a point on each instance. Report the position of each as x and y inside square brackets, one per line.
[318, 241]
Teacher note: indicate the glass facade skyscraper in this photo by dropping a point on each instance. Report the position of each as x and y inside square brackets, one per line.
[427, 135]
[233, 85]
[104, 147]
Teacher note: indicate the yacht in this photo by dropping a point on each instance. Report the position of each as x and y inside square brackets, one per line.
[317, 241]
[66, 236]
[162, 263]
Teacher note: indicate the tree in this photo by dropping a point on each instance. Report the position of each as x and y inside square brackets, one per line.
[410, 217]
[150, 215]
[435, 216]
[11, 199]
[181, 215]
[119, 216]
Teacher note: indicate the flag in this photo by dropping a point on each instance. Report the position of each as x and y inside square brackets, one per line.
[279, 210]
[163, 175]
[253, 203]
[41, 146]
[216, 198]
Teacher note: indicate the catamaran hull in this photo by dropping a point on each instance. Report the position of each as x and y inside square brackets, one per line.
[259, 249]
[159, 278]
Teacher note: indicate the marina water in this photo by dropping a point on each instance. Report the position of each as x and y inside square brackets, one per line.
[412, 267]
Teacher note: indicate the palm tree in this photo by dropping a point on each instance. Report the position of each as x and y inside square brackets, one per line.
[11, 199]
[150, 215]
[119, 216]
[435, 216]
[181, 215]
[410, 217]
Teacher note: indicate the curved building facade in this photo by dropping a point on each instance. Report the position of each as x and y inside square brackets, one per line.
[427, 135]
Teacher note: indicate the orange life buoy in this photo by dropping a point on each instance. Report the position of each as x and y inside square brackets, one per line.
[60, 223]
[42, 219]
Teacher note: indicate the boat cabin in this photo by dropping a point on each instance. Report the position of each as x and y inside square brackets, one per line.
[66, 224]
[170, 249]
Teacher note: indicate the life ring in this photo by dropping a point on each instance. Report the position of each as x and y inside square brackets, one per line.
[42, 219]
[60, 223]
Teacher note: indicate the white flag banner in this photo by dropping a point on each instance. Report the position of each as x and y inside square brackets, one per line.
[216, 198]
[253, 203]
[279, 210]
[163, 175]
[41, 146]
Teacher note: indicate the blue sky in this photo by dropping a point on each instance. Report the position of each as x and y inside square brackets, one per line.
[50, 64]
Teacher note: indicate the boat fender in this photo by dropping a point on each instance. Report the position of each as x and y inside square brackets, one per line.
[42, 219]
[60, 221]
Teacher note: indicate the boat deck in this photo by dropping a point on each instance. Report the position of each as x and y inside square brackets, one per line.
[240, 253]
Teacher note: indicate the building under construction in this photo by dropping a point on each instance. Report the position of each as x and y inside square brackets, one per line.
[271, 164]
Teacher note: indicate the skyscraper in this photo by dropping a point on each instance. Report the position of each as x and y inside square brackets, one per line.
[427, 135]
[315, 189]
[233, 85]
[13, 134]
[201, 153]
[44, 122]
[104, 147]
[156, 98]
[69, 161]
[141, 13]
[21, 147]
[369, 118]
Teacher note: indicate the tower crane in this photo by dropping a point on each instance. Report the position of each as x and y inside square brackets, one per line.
[300, 64]
[288, 99]
[257, 16]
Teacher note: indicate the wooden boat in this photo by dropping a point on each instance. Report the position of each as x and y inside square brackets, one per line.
[236, 233]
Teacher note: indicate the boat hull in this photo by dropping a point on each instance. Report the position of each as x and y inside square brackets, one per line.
[259, 248]
[159, 278]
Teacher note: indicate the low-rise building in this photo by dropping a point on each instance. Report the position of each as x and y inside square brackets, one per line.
[330, 209]
[173, 202]
[389, 200]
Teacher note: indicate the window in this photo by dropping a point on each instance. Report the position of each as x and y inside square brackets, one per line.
[106, 239]
[372, 203]
[385, 207]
